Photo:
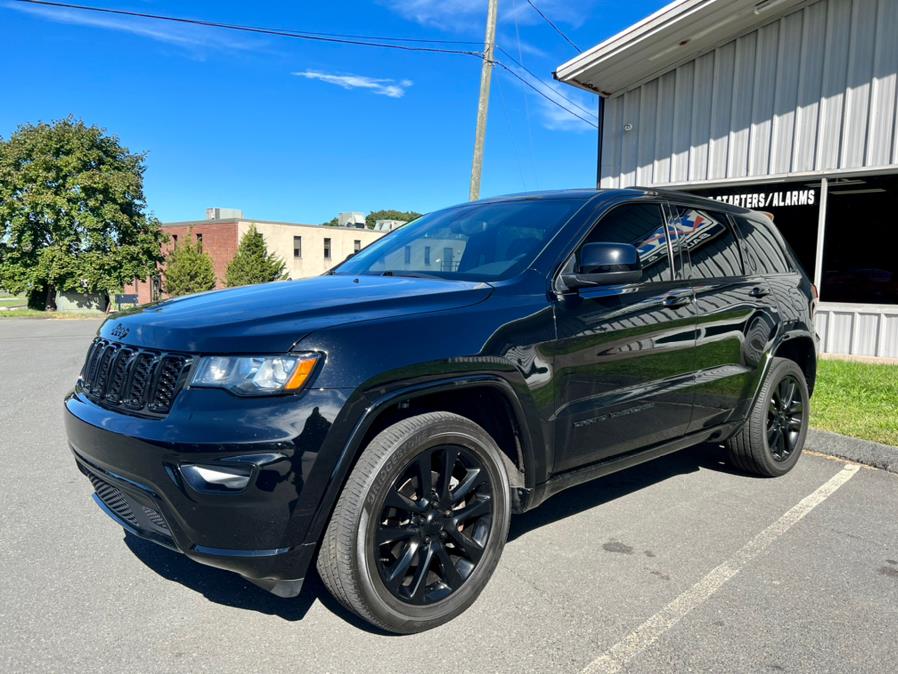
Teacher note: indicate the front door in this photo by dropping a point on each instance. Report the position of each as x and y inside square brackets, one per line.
[623, 358]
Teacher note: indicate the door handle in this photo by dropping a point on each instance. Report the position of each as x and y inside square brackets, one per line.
[759, 291]
[678, 300]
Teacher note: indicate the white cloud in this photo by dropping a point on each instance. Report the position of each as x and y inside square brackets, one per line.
[380, 86]
[520, 47]
[194, 38]
[468, 14]
[554, 117]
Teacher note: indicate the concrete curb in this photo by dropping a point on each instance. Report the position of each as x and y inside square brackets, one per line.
[884, 457]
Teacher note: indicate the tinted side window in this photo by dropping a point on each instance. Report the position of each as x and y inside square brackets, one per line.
[709, 240]
[763, 252]
[641, 225]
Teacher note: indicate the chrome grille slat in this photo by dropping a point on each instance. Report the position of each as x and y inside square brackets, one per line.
[141, 381]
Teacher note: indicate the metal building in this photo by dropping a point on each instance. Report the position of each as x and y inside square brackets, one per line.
[784, 106]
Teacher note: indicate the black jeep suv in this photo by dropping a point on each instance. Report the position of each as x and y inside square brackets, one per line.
[388, 417]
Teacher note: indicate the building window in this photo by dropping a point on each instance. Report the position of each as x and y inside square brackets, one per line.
[859, 260]
[297, 246]
[327, 249]
[448, 259]
[408, 255]
[426, 256]
[356, 246]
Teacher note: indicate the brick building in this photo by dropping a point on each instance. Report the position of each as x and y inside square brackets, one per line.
[307, 250]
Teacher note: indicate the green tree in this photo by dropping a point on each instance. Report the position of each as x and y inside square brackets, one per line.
[374, 216]
[73, 215]
[188, 269]
[253, 263]
[333, 222]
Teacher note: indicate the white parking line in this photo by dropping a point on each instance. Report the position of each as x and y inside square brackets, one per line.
[614, 659]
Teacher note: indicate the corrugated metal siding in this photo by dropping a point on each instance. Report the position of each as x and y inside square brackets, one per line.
[857, 329]
[815, 90]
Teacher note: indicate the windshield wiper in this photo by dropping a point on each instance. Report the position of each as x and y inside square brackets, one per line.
[412, 274]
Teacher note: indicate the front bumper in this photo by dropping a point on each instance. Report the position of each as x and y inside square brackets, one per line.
[259, 531]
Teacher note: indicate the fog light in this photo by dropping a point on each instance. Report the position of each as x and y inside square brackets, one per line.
[216, 478]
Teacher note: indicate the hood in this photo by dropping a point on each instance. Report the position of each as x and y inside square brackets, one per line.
[271, 317]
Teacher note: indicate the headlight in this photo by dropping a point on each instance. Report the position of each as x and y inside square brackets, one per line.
[255, 375]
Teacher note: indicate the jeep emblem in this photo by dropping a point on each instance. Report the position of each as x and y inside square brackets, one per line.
[119, 331]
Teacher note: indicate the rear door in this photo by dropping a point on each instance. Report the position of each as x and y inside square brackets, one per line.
[731, 330]
[624, 354]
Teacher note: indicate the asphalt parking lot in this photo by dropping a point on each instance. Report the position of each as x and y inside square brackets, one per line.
[677, 565]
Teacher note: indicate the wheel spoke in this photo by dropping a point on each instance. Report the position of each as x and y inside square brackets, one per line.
[387, 534]
[797, 407]
[771, 436]
[398, 570]
[423, 471]
[450, 456]
[402, 502]
[468, 547]
[773, 408]
[419, 579]
[450, 574]
[794, 423]
[475, 478]
[482, 506]
[790, 393]
[783, 392]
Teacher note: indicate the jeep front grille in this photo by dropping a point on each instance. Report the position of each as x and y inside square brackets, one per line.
[140, 381]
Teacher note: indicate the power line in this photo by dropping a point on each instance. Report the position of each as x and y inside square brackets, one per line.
[361, 41]
[335, 38]
[538, 79]
[514, 73]
[554, 27]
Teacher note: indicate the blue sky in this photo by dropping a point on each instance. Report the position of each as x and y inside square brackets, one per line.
[294, 130]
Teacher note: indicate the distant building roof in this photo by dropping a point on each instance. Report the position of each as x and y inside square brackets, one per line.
[231, 221]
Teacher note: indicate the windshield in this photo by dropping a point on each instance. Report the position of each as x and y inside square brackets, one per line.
[473, 242]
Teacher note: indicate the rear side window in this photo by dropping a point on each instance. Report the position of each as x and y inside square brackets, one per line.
[764, 253]
[641, 225]
[709, 240]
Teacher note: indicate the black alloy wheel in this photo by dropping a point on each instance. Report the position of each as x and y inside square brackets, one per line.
[784, 418]
[772, 438]
[434, 525]
[420, 524]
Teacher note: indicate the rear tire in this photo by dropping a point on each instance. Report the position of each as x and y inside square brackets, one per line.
[420, 525]
[773, 436]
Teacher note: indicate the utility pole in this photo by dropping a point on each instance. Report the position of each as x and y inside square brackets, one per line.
[483, 105]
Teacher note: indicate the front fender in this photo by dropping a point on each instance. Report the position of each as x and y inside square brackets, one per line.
[372, 400]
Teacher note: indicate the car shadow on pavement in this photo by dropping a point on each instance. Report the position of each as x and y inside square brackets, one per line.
[229, 589]
[602, 490]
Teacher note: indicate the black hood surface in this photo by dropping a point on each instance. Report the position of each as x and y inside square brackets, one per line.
[271, 317]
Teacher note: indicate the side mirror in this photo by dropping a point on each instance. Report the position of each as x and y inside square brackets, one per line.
[605, 264]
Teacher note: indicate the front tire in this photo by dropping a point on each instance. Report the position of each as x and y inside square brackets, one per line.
[420, 525]
[773, 436]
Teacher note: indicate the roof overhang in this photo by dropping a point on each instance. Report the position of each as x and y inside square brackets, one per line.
[674, 34]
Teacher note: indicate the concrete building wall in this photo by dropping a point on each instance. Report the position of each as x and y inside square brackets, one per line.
[813, 91]
[279, 238]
